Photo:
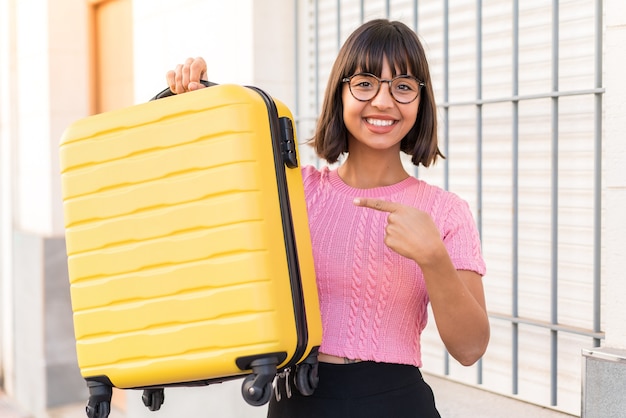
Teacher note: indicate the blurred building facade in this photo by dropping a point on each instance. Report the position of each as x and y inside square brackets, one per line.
[531, 101]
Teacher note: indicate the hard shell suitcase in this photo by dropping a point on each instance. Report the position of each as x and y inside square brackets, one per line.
[188, 246]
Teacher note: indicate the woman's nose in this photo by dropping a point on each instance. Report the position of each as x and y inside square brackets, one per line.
[383, 98]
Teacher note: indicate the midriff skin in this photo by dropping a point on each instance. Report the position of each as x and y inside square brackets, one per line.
[327, 358]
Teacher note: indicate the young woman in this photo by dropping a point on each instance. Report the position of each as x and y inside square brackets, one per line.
[385, 244]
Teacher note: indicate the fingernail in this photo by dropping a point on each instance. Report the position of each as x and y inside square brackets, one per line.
[357, 201]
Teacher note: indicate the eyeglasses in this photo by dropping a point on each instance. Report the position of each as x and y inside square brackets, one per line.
[403, 88]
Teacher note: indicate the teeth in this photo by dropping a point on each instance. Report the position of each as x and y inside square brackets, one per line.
[379, 122]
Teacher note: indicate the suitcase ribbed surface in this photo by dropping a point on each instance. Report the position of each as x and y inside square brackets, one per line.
[176, 254]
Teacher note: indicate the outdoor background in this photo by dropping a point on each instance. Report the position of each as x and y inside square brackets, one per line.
[531, 106]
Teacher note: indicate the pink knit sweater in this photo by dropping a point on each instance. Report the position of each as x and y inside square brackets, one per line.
[373, 301]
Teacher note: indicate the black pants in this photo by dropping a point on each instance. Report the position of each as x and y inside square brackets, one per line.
[360, 390]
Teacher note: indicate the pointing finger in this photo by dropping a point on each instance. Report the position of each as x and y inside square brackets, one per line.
[377, 204]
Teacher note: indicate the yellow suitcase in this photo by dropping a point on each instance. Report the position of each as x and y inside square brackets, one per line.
[188, 246]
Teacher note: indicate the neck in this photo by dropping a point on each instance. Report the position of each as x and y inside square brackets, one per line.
[367, 173]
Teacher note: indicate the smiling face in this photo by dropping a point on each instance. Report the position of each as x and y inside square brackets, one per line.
[380, 123]
[374, 44]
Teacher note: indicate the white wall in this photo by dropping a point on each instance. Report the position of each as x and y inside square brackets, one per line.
[36, 168]
[7, 143]
[32, 207]
[243, 42]
[42, 95]
[614, 154]
[68, 83]
[42, 49]
[219, 31]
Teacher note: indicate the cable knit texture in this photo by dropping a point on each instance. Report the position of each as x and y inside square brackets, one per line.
[373, 300]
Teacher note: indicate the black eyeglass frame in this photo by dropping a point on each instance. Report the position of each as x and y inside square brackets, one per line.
[380, 83]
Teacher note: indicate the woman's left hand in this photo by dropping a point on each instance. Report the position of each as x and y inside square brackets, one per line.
[410, 232]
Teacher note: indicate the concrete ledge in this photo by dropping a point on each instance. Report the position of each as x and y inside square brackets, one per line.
[603, 383]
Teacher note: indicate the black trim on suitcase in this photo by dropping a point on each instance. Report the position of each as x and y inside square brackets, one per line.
[285, 207]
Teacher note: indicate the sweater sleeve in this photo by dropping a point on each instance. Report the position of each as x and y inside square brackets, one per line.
[461, 238]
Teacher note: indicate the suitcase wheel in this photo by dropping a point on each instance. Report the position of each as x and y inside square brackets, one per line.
[306, 374]
[306, 378]
[256, 388]
[153, 398]
[100, 410]
[255, 394]
[99, 405]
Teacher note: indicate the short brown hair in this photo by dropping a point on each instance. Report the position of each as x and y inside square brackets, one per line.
[364, 51]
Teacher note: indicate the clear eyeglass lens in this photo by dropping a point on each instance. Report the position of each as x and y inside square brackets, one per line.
[403, 88]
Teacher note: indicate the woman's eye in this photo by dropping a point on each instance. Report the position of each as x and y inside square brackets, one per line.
[405, 87]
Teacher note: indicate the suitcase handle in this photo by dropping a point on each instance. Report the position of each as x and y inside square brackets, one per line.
[167, 92]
